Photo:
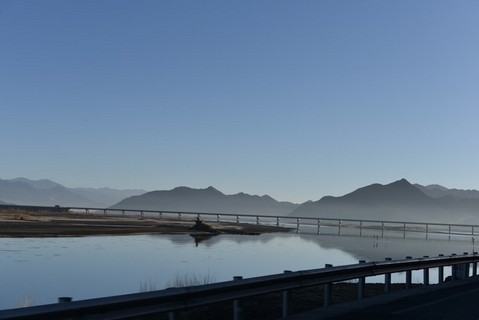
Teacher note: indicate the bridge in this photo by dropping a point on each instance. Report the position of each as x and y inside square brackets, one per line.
[315, 225]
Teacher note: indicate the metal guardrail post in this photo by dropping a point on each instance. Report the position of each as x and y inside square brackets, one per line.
[474, 265]
[218, 218]
[466, 267]
[453, 270]
[277, 221]
[173, 315]
[408, 276]
[387, 280]
[360, 228]
[257, 220]
[426, 274]
[122, 213]
[440, 272]
[237, 305]
[286, 300]
[339, 227]
[327, 290]
[319, 225]
[361, 284]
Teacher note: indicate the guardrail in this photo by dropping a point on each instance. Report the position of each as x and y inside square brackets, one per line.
[317, 224]
[173, 300]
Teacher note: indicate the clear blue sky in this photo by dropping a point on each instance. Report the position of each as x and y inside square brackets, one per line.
[295, 99]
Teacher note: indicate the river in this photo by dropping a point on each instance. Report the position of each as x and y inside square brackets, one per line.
[39, 270]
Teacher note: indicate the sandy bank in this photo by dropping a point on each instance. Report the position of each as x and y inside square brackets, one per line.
[27, 224]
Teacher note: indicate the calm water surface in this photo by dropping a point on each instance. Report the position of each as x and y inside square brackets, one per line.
[39, 270]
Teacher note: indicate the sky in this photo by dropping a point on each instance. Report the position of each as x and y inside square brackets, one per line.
[294, 99]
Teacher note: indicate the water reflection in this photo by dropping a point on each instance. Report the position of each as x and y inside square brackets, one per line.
[199, 238]
[47, 268]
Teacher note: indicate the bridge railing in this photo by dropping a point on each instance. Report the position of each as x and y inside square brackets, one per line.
[173, 300]
[310, 224]
[315, 224]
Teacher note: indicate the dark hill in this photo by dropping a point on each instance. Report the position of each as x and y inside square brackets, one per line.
[206, 200]
[400, 201]
[398, 193]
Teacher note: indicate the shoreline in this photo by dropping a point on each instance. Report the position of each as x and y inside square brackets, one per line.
[22, 224]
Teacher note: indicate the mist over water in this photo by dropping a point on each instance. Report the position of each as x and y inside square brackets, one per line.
[43, 269]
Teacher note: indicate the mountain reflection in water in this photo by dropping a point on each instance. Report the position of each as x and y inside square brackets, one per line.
[88, 267]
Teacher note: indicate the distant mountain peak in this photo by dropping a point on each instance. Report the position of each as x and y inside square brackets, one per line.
[206, 200]
[437, 186]
[213, 189]
[402, 182]
[184, 189]
[38, 184]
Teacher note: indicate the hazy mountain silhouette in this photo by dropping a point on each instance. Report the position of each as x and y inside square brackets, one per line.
[22, 191]
[399, 200]
[438, 191]
[206, 200]
[106, 197]
[38, 184]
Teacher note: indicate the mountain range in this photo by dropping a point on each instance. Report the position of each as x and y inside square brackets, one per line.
[206, 200]
[399, 200]
[22, 191]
